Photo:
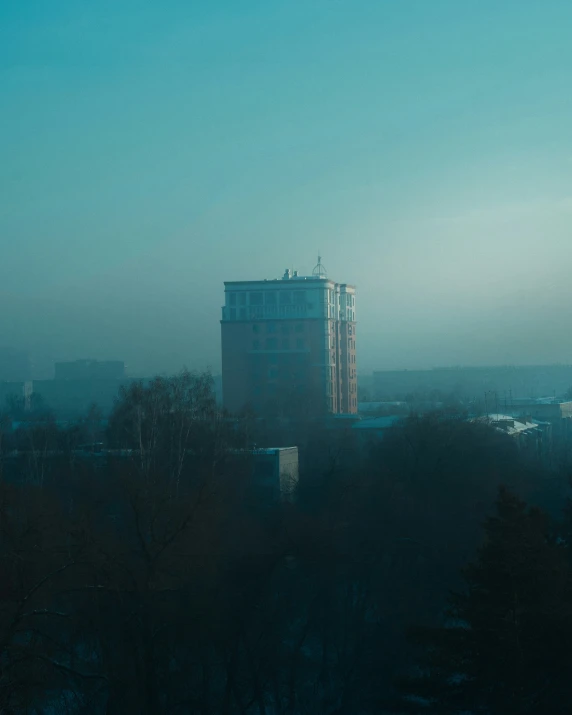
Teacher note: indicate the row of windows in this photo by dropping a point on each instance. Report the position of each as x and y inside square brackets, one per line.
[297, 297]
[349, 315]
[272, 388]
[285, 374]
[285, 329]
[257, 313]
[349, 298]
[260, 360]
[272, 344]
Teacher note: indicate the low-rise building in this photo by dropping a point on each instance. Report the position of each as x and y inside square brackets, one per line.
[275, 470]
[530, 434]
[557, 413]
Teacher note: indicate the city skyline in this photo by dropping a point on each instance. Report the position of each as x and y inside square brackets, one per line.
[150, 151]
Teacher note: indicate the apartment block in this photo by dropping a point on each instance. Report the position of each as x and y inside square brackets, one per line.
[289, 345]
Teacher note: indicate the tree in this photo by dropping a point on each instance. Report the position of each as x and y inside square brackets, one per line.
[505, 646]
[170, 425]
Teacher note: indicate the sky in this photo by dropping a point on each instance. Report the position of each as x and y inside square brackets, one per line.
[150, 151]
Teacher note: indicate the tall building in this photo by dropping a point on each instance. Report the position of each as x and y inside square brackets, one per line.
[289, 345]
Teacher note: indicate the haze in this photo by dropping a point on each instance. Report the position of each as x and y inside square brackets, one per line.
[151, 151]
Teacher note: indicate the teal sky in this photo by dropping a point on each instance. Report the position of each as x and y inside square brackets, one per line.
[150, 151]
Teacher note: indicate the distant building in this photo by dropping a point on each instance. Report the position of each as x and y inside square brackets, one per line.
[376, 427]
[531, 435]
[90, 370]
[501, 383]
[558, 413]
[71, 399]
[290, 345]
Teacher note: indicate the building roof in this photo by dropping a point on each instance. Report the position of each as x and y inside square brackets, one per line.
[372, 406]
[377, 423]
[288, 281]
[508, 424]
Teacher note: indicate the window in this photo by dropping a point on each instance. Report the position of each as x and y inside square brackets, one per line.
[256, 344]
[243, 313]
[242, 298]
[270, 327]
[256, 298]
[232, 298]
[270, 298]
[350, 330]
[299, 328]
[285, 344]
[299, 297]
[271, 343]
[285, 329]
[233, 313]
[300, 344]
[273, 373]
[285, 297]
[256, 328]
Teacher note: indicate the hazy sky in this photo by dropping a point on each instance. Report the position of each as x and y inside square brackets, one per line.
[150, 151]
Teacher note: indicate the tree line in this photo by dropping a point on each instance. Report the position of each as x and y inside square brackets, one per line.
[153, 578]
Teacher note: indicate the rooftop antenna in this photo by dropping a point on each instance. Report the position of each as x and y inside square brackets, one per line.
[319, 270]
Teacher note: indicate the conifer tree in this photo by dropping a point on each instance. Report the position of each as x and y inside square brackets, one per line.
[505, 646]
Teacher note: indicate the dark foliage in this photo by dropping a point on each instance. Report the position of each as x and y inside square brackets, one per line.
[150, 577]
[505, 646]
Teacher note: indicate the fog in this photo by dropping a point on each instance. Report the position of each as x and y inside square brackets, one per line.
[151, 152]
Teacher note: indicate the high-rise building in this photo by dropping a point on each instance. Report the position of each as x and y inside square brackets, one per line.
[289, 345]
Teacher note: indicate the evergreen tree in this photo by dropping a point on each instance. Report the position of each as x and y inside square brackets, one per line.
[505, 646]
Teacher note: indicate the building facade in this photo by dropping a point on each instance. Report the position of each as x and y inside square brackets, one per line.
[289, 345]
